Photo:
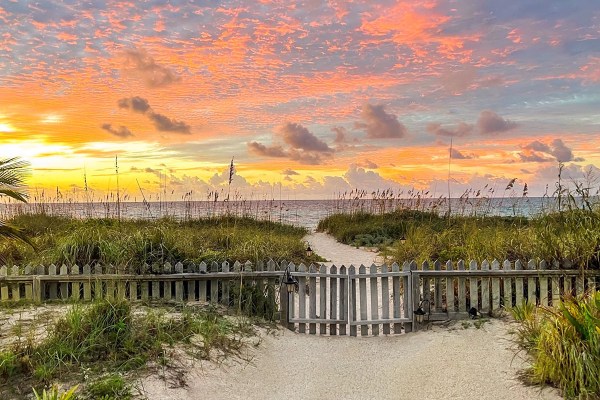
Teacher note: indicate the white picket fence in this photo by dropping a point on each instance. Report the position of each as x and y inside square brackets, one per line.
[336, 300]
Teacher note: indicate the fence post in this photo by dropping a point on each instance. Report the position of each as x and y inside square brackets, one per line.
[37, 289]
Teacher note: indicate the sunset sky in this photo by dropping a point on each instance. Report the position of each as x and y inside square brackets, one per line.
[310, 99]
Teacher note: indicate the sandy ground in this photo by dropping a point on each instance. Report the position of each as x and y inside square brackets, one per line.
[441, 363]
[445, 362]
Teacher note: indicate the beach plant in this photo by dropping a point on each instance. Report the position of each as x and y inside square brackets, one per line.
[54, 394]
[565, 344]
[110, 336]
[12, 175]
[134, 244]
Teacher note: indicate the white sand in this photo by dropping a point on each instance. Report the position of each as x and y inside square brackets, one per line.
[441, 363]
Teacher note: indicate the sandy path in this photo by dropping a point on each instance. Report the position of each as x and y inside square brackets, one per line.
[340, 254]
[441, 363]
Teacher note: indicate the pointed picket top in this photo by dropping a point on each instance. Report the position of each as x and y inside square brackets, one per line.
[396, 265]
[4, 270]
[214, 266]
[473, 265]
[568, 264]
[237, 266]
[63, 270]
[97, 269]
[449, 266]
[362, 269]
[425, 265]
[460, 265]
[543, 264]
[52, 269]
[405, 266]
[168, 268]
[495, 264]
[343, 270]
[518, 265]
[75, 269]
[40, 270]
[323, 270]
[87, 270]
[555, 264]
[413, 265]
[312, 268]
[191, 267]
[485, 265]
[384, 268]
[302, 267]
[373, 265]
[179, 268]
[271, 265]
[506, 265]
[248, 266]
[531, 264]
[202, 267]
[225, 266]
[351, 270]
[28, 270]
[373, 269]
[15, 270]
[333, 269]
[292, 267]
[437, 265]
[282, 266]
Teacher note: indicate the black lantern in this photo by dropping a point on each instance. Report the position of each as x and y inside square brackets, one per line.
[402, 239]
[290, 282]
[309, 251]
[420, 312]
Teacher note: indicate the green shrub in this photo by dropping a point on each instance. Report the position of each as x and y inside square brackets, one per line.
[565, 345]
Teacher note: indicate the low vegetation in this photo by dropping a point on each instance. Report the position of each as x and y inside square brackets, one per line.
[133, 243]
[572, 235]
[101, 343]
[564, 343]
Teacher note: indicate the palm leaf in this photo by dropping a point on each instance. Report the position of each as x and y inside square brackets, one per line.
[14, 194]
[12, 175]
[11, 232]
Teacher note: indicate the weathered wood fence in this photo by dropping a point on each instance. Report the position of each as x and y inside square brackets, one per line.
[336, 300]
[214, 282]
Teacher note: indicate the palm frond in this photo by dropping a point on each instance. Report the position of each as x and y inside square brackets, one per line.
[13, 171]
[14, 194]
[11, 232]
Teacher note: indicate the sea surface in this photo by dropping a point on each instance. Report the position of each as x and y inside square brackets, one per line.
[306, 213]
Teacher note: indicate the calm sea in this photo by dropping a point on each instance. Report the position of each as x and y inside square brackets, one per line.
[305, 213]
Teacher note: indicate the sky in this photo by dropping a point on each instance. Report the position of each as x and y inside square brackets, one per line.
[310, 99]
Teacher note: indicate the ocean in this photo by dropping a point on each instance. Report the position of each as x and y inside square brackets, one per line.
[306, 213]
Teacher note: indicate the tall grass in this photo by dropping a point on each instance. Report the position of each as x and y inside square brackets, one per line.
[565, 344]
[572, 235]
[134, 243]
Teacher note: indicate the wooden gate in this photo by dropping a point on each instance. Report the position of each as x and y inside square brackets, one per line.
[338, 301]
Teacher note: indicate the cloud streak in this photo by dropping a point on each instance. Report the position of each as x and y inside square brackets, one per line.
[161, 122]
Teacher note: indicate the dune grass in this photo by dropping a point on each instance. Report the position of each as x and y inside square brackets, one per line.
[572, 235]
[107, 339]
[133, 243]
[565, 344]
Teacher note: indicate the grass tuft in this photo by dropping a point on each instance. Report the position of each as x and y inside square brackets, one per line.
[565, 344]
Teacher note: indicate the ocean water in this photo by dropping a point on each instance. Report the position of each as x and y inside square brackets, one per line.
[306, 213]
